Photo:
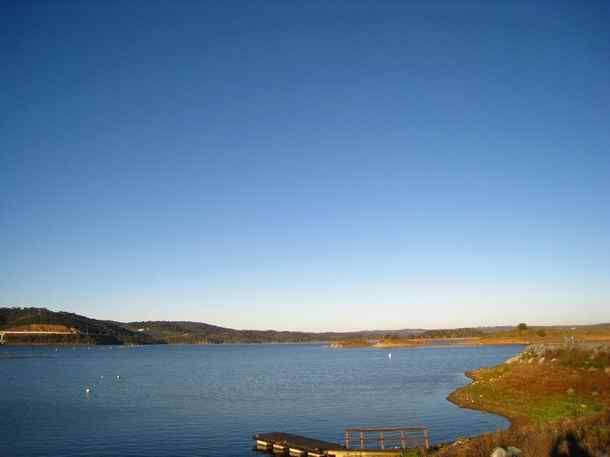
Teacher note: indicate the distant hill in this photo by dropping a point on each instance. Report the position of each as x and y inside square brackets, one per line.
[93, 331]
[79, 329]
[85, 330]
[198, 333]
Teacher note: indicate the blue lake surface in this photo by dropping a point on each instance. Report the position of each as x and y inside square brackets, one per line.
[211, 400]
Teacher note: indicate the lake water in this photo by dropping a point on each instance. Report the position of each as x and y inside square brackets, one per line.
[210, 400]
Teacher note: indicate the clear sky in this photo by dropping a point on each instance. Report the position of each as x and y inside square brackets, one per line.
[307, 165]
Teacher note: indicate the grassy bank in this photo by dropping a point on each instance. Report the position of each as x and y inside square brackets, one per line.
[556, 397]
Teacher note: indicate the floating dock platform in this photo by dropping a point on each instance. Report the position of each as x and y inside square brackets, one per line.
[294, 445]
[369, 442]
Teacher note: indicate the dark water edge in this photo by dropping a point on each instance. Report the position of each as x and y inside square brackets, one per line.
[210, 400]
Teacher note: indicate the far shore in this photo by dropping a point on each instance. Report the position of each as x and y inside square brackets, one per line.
[465, 341]
[344, 344]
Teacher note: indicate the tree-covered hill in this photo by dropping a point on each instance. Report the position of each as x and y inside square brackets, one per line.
[197, 332]
[85, 330]
[201, 333]
[93, 331]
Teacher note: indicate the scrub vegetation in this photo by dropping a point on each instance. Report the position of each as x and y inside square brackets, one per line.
[557, 398]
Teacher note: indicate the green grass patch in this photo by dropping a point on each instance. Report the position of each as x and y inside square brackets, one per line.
[557, 407]
[539, 409]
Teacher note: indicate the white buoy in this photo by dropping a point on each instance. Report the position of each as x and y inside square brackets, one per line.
[102, 377]
[87, 390]
[390, 356]
[118, 377]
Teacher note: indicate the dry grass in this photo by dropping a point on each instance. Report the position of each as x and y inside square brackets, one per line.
[582, 438]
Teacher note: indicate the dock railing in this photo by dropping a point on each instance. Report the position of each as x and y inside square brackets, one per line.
[387, 438]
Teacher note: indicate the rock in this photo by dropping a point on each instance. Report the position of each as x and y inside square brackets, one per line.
[499, 452]
[537, 350]
[459, 441]
[541, 360]
[570, 391]
[607, 370]
[530, 360]
[510, 451]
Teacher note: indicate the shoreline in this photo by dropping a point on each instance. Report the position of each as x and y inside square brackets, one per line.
[465, 341]
[549, 393]
[455, 398]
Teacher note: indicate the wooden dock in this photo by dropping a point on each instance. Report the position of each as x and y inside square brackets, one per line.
[359, 442]
[294, 445]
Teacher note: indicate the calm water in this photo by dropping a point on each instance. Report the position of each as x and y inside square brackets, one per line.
[210, 400]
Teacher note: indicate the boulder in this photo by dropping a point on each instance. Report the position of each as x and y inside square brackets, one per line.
[499, 452]
[510, 451]
[514, 359]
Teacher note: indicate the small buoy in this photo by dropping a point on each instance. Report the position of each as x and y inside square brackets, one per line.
[118, 377]
[390, 356]
[88, 390]
[102, 377]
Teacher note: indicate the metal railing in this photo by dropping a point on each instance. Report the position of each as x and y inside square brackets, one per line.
[387, 438]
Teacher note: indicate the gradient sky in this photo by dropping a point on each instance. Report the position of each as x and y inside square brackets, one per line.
[307, 165]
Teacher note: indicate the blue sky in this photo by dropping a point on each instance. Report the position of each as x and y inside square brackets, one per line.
[307, 165]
